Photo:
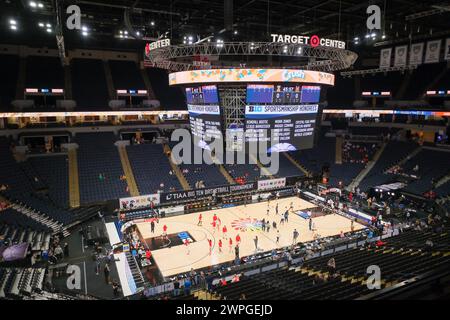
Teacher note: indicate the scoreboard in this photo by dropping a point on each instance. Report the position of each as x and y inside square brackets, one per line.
[204, 114]
[285, 112]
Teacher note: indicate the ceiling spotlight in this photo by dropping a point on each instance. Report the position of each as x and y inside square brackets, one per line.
[373, 35]
[49, 30]
[383, 36]
[126, 32]
[121, 36]
[84, 33]
[367, 36]
[84, 28]
[13, 27]
[356, 39]
[40, 5]
[12, 22]
[152, 23]
[41, 25]
[33, 4]
[48, 25]
[235, 32]
[190, 38]
[138, 33]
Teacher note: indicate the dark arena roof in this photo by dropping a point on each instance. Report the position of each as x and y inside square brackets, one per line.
[313, 162]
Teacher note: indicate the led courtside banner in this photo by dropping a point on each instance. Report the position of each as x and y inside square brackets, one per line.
[250, 75]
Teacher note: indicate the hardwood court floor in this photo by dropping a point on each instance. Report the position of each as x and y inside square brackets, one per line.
[176, 259]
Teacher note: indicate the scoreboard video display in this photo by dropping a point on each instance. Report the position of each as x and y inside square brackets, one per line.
[202, 95]
[286, 112]
[204, 114]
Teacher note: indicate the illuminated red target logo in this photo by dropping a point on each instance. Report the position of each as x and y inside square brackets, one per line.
[315, 41]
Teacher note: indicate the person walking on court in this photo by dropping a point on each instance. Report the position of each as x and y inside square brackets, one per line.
[267, 226]
[210, 246]
[220, 245]
[276, 209]
[200, 217]
[310, 224]
[255, 240]
[238, 239]
[278, 237]
[274, 224]
[230, 244]
[263, 225]
[152, 226]
[224, 232]
[106, 271]
[286, 216]
[295, 236]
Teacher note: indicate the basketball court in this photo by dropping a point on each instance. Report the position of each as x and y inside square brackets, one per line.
[242, 220]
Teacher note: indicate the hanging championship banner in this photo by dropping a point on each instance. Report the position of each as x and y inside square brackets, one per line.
[400, 56]
[433, 51]
[447, 49]
[385, 58]
[416, 54]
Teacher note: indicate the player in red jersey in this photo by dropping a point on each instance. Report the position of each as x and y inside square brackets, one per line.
[230, 244]
[200, 217]
[210, 246]
[220, 245]
[224, 231]
[186, 243]
[238, 239]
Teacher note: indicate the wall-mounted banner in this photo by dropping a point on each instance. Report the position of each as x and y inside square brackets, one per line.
[200, 193]
[271, 184]
[401, 54]
[138, 202]
[313, 41]
[433, 51]
[385, 58]
[447, 49]
[416, 54]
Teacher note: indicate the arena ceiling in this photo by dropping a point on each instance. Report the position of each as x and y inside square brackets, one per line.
[237, 20]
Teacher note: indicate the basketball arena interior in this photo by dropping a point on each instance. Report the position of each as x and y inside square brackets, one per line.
[224, 150]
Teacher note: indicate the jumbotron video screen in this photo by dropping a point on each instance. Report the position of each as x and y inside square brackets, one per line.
[287, 113]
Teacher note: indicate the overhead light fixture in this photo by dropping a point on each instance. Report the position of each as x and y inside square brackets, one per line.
[41, 25]
[13, 27]
[84, 28]
[40, 5]
[367, 36]
[383, 36]
[373, 35]
[48, 25]
[84, 33]
[152, 23]
[12, 22]
[126, 32]
[33, 4]
[49, 30]
[356, 39]
[138, 33]
[235, 32]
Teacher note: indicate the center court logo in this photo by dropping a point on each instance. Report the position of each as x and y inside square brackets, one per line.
[247, 224]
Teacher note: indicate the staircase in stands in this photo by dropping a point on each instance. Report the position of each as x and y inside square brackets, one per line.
[181, 178]
[126, 166]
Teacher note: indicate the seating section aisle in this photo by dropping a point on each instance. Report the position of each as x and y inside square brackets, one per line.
[151, 168]
[394, 152]
[99, 168]
[433, 165]
[202, 174]
[55, 173]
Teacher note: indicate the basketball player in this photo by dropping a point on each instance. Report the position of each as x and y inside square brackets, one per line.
[186, 243]
[278, 237]
[255, 240]
[276, 209]
[210, 246]
[230, 244]
[238, 239]
[224, 232]
[164, 231]
[268, 210]
[295, 236]
[214, 226]
[200, 217]
[352, 226]
[152, 226]
[220, 245]
[219, 223]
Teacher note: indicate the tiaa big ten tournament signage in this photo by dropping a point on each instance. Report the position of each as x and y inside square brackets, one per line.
[139, 202]
[271, 184]
[385, 58]
[416, 54]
